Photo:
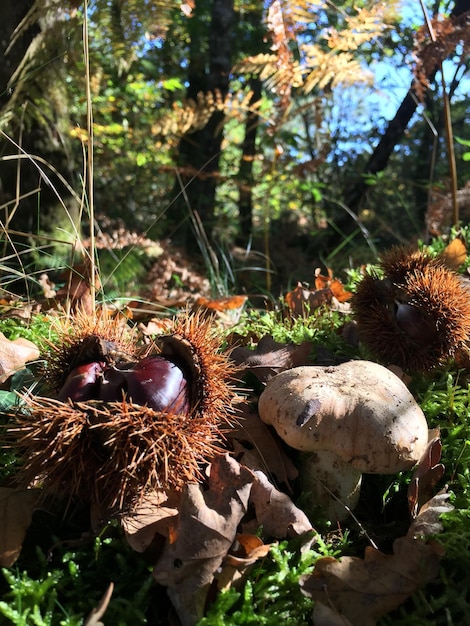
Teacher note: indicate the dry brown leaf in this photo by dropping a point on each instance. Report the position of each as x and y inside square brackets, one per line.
[250, 549]
[264, 450]
[336, 286]
[222, 304]
[324, 615]
[94, 619]
[269, 358]
[203, 534]
[454, 254]
[426, 475]
[154, 515]
[275, 511]
[14, 355]
[363, 590]
[301, 301]
[17, 309]
[157, 326]
[16, 511]
[428, 521]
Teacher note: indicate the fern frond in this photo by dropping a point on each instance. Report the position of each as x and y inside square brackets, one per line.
[328, 70]
[268, 68]
[191, 115]
[449, 33]
[365, 26]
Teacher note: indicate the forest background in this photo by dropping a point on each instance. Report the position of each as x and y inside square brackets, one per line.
[274, 134]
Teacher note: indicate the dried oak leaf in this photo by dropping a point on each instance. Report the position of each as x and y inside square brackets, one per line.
[155, 514]
[275, 511]
[203, 534]
[226, 310]
[363, 590]
[301, 301]
[337, 288]
[16, 511]
[269, 358]
[262, 450]
[249, 550]
[454, 254]
[426, 475]
[428, 521]
[14, 355]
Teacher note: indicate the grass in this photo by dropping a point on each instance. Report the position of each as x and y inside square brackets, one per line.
[62, 585]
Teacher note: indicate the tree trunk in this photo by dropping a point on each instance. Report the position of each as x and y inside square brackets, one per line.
[198, 157]
[394, 131]
[245, 170]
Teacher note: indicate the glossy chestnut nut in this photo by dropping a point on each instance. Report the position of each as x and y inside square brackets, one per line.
[83, 382]
[153, 381]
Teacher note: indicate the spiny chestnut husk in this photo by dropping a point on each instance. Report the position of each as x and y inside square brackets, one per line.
[417, 315]
[122, 423]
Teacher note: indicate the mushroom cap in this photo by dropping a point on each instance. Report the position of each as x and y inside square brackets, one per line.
[359, 410]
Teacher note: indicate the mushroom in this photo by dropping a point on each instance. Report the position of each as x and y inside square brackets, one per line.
[353, 418]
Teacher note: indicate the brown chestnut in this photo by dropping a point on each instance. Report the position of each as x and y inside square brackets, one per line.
[153, 381]
[83, 382]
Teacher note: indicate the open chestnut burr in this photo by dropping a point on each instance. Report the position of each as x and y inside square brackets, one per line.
[121, 421]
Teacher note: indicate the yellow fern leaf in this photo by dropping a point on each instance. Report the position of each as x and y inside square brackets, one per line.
[367, 25]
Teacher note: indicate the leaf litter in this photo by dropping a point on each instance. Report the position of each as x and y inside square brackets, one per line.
[207, 532]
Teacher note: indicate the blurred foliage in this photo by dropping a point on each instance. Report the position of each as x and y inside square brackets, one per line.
[319, 111]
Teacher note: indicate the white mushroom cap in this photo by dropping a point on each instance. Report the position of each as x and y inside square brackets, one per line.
[359, 410]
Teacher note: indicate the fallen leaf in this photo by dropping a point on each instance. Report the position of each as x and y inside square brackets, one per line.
[275, 511]
[324, 615]
[14, 355]
[18, 310]
[157, 326]
[202, 536]
[153, 515]
[262, 450]
[269, 358]
[301, 301]
[222, 304]
[16, 511]
[363, 590]
[329, 282]
[454, 254]
[227, 310]
[428, 521]
[94, 619]
[249, 549]
[426, 475]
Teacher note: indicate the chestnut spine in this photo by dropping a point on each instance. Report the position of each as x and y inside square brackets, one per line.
[416, 314]
[125, 421]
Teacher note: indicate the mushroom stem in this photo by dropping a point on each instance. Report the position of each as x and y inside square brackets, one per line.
[334, 485]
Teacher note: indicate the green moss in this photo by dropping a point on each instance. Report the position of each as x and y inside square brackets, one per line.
[271, 595]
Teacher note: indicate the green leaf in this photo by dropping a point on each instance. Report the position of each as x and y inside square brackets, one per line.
[8, 399]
